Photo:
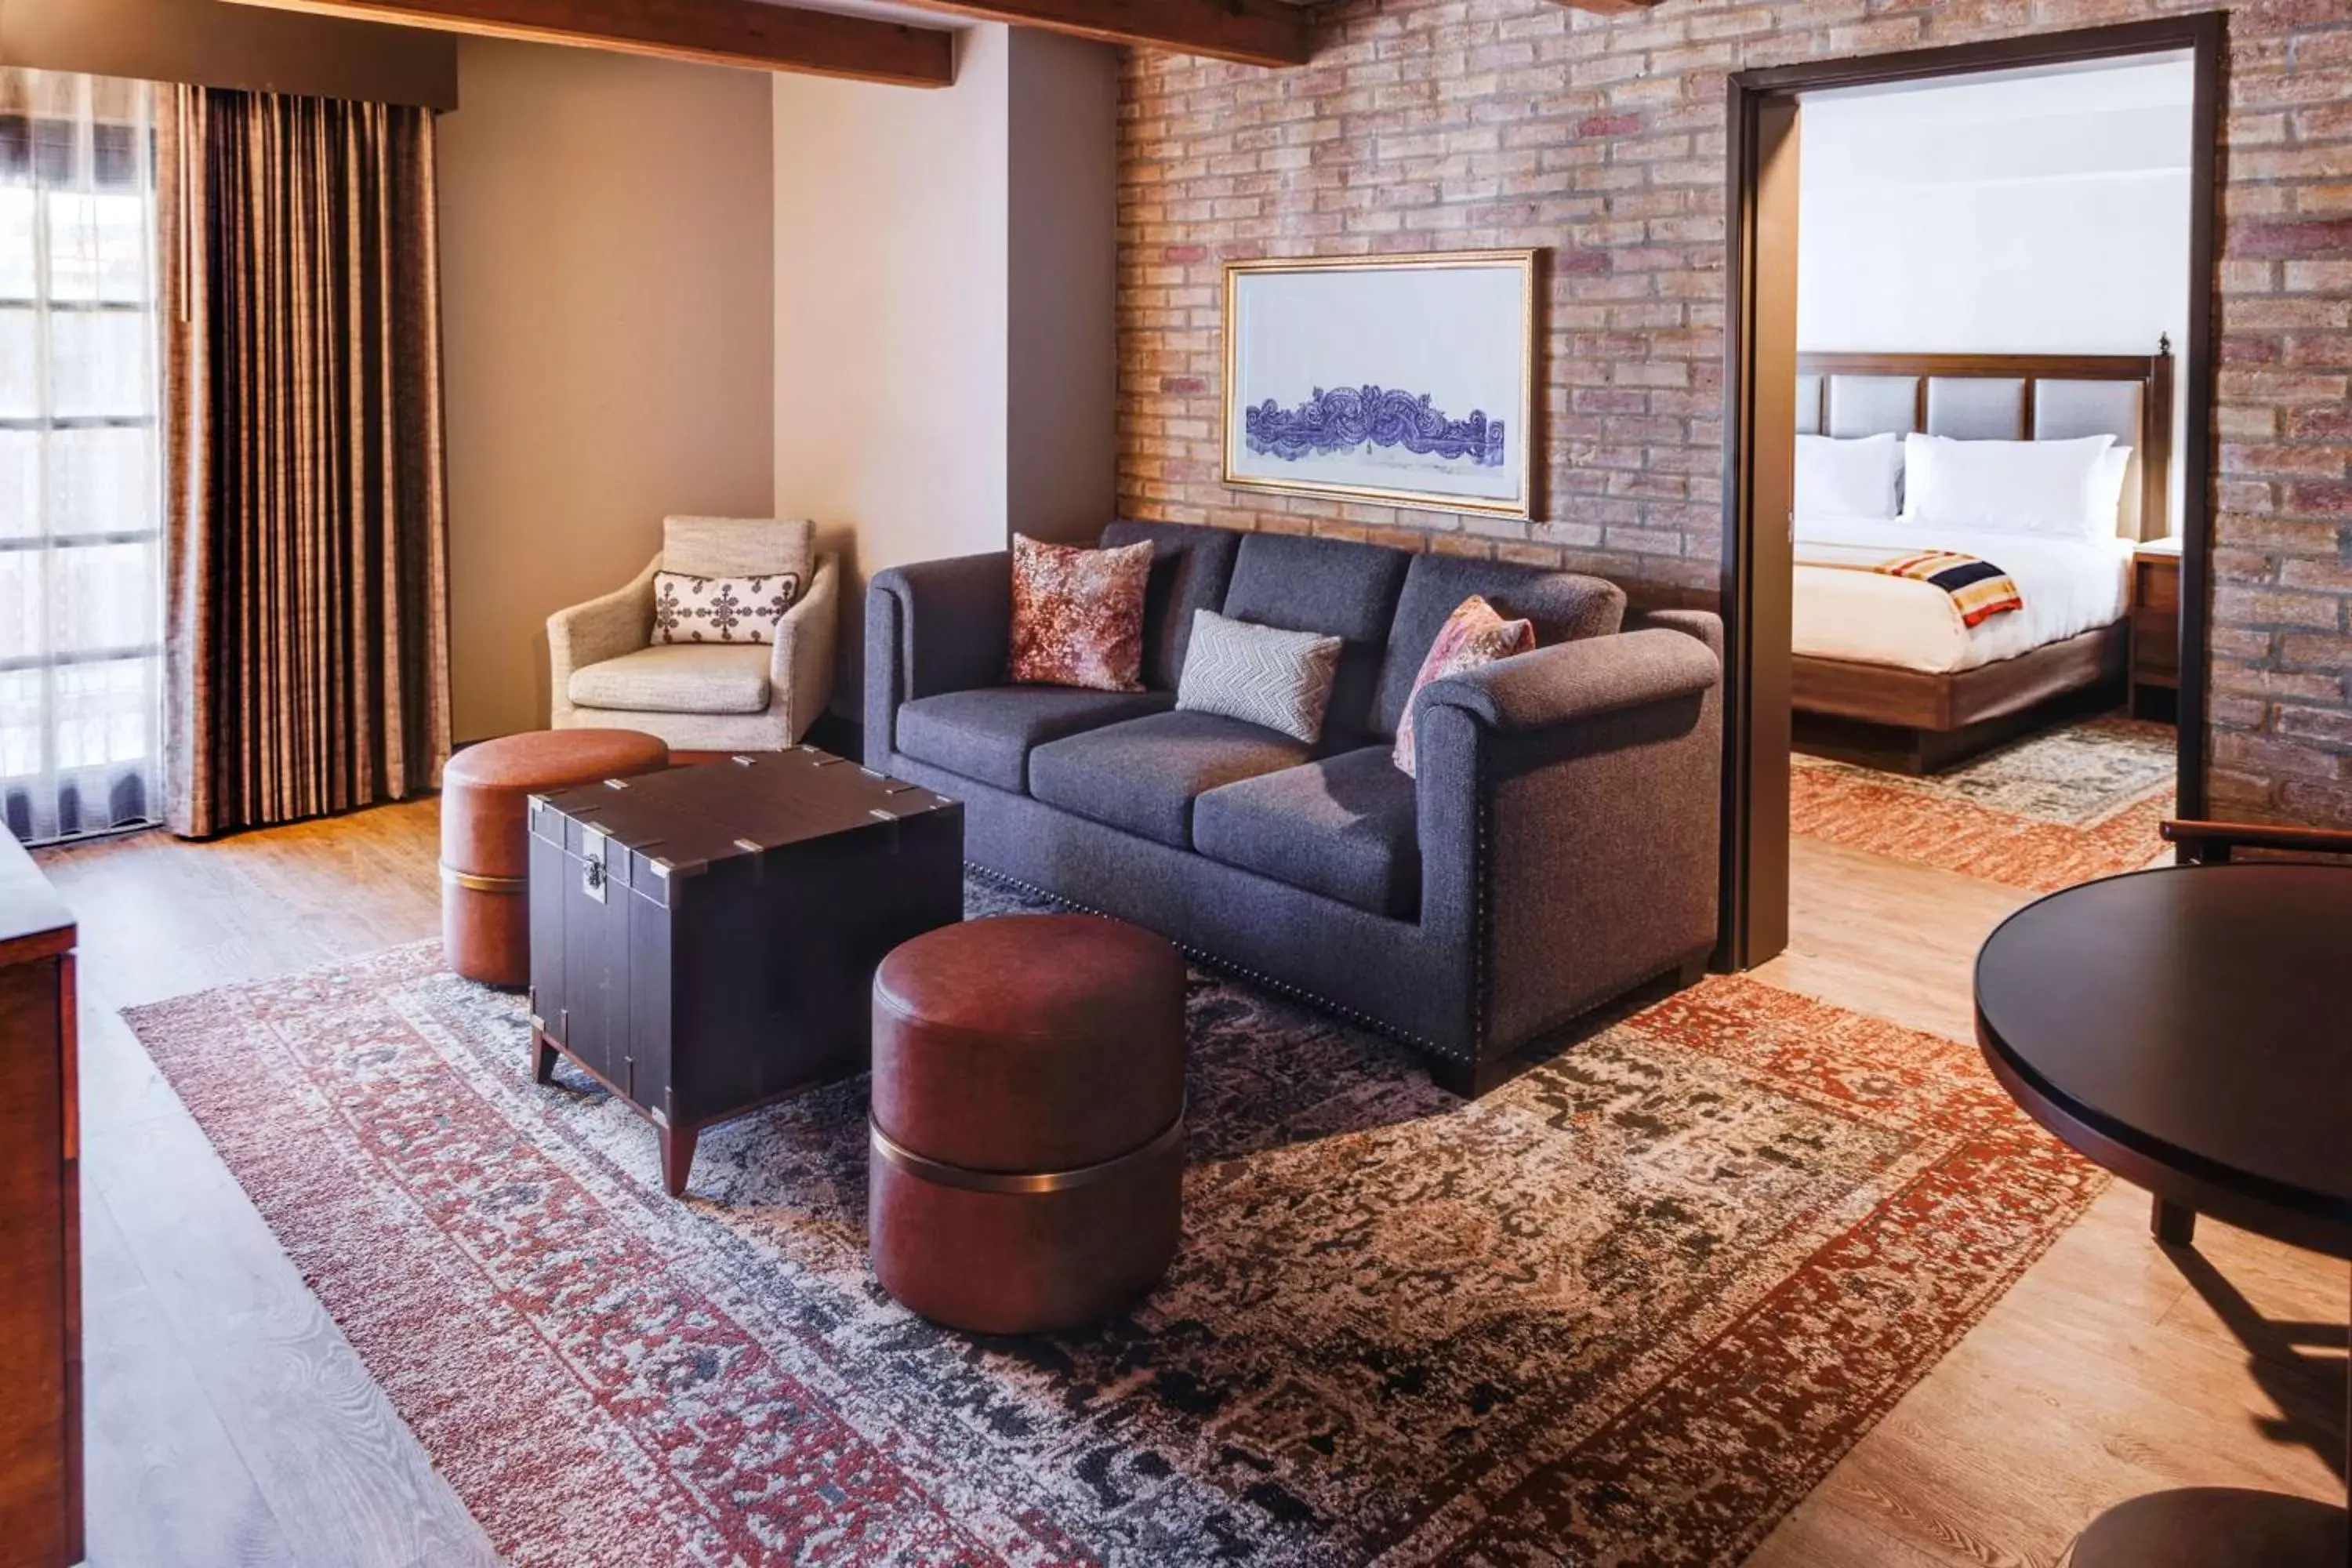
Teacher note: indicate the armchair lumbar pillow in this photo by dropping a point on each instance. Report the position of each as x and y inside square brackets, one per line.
[737, 658]
[687, 608]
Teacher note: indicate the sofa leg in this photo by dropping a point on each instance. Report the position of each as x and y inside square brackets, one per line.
[1468, 1080]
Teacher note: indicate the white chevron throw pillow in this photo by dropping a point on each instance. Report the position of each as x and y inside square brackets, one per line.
[1262, 675]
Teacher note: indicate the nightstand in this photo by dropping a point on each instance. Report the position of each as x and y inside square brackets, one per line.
[2156, 629]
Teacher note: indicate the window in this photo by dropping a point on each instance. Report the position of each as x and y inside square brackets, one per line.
[80, 480]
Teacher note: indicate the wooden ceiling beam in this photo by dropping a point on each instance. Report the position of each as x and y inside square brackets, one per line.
[1251, 32]
[713, 32]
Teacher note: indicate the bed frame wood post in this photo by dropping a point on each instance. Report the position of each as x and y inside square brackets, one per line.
[2156, 456]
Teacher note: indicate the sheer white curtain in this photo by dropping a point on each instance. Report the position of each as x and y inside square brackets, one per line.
[81, 482]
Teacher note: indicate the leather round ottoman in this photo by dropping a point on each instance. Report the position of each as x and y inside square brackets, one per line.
[486, 843]
[1028, 1136]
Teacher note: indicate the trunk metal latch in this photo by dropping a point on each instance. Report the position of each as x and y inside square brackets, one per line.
[591, 869]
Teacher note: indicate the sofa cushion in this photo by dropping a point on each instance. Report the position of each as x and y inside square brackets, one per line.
[1346, 827]
[1190, 567]
[1142, 776]
[678, 678]
[988, 734]
[1565, 606]
[1346, 591]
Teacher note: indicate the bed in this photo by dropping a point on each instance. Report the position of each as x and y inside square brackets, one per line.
[1885, 670]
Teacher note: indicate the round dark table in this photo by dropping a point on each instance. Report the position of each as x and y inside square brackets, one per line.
[2190, 1029]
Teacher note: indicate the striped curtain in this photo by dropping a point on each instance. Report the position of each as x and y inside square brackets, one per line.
[307, 571]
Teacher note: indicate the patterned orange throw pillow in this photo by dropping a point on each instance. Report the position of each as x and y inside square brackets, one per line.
[1473, 634]
[1077, 614]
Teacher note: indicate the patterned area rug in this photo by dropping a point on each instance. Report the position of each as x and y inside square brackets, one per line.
[1628, 1309]
[2047, 812]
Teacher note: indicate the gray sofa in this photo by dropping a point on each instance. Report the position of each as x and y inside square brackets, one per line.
[1556, 850]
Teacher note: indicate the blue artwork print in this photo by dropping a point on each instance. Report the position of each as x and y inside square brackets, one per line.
[1342, 418]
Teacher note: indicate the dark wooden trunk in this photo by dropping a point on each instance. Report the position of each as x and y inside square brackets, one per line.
[704, 941]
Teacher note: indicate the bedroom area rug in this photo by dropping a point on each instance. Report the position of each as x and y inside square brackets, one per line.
[2042, 814]
[1631, 1307]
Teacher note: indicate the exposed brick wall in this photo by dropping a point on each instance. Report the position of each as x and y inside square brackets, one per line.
[1445, 124]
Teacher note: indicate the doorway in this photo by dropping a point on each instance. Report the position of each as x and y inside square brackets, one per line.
[1773, 391]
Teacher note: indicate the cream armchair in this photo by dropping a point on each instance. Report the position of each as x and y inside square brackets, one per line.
[608, 672]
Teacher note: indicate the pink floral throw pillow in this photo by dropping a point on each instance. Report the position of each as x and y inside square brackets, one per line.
[1077, 614]
[1473, 634]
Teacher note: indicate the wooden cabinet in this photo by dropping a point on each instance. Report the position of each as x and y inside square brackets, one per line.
[41, 1230]
[2156, 629]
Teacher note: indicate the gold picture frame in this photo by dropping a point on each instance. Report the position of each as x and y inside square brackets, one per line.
[1290, 450]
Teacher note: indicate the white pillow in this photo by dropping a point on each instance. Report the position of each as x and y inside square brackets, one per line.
[2114, 468]
[2014, 486]
[1847, 478]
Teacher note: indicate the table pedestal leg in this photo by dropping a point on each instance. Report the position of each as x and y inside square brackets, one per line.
[2172, 1225]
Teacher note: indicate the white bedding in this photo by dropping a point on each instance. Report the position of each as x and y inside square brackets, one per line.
[2069, 586]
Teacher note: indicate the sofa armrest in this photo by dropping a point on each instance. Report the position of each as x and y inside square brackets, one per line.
[934, 626]
[1705, 625]
[1583, 679]
[1570, 806]
[800, 667]
[620, 622]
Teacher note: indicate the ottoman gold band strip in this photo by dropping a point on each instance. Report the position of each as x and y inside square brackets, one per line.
[475, 883]
[972, 1181]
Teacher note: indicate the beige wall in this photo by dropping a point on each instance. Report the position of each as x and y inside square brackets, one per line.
[608, 291]
[214, 45]
[946, 353]
[890, 312]
[1062, 361]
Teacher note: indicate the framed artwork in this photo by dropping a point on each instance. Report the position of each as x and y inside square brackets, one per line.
[1403, 380]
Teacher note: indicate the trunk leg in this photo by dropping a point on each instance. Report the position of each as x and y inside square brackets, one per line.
[2172, 1225]
[543, 1054]
[677, 1158]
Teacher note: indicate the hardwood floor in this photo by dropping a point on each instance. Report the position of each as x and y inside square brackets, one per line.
[230, 1422]
[2112, 1368]
[227, 1421]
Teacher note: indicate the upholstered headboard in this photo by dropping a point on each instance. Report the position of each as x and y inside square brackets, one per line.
[2008, 397]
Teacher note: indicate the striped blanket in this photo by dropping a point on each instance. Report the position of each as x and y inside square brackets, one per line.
[1979, 590]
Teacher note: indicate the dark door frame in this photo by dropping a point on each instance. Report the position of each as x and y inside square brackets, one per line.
[1759, 334]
